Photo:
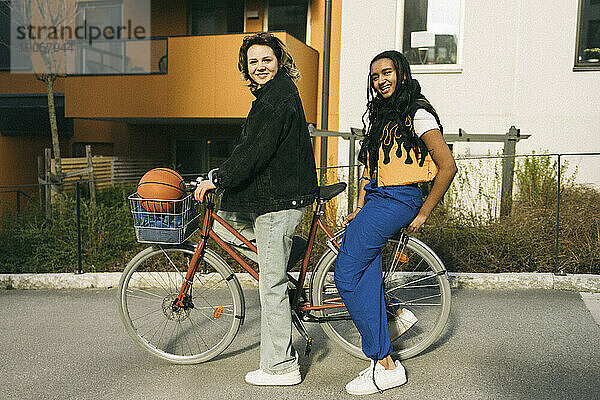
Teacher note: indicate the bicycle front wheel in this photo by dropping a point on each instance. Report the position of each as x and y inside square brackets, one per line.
[414, 278]
[202, 329]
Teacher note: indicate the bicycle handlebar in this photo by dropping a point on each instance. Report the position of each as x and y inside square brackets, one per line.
[199, 179]
[194, 184]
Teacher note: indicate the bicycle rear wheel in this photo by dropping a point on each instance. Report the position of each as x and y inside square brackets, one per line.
[414, 278]
[196, 333]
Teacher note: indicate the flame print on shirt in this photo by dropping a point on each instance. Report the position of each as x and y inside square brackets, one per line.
[396, 165]
[391, 136]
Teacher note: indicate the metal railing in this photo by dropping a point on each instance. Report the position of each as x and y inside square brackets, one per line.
[118, 57]
[18, 195]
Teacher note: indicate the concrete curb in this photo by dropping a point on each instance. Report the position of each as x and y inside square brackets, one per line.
[525, 280]
[105, 280]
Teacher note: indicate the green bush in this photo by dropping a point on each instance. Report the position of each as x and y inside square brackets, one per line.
[30, 243]
[523, 241]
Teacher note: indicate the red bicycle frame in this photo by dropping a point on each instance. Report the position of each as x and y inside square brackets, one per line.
[207, 231]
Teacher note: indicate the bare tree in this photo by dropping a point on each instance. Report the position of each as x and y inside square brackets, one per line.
[41, 27]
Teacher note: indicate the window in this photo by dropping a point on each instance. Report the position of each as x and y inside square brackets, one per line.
[10, 58]
[289, 16]
[4, 35]
[193, 156]
[216, 16]
[431, 31]
[100, 57]
[588, 35]
[27, 115]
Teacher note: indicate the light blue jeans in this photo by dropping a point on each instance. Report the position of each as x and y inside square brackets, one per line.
[273, 234]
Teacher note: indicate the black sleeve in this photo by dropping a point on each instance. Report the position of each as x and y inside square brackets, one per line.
[258, 144]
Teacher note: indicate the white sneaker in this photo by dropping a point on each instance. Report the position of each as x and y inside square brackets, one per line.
[404, 320]
[385, 379]
[262, 378]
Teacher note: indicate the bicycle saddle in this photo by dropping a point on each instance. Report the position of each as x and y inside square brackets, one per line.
[330, 191]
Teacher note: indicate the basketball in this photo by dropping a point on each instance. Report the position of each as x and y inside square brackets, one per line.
[160, 184]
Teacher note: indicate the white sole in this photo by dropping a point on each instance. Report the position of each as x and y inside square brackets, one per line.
[375, 390]
[287, 381]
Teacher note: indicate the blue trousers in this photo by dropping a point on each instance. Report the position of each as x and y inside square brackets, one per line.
[358, 269]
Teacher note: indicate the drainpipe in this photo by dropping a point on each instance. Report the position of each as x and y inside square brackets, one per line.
[325, 93]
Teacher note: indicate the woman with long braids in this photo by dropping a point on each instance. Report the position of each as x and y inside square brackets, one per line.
[403, 146]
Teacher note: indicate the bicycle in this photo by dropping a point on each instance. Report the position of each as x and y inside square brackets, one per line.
[183, 303]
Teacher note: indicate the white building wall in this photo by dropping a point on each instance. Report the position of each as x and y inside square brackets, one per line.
[517, 69]
[367, 29]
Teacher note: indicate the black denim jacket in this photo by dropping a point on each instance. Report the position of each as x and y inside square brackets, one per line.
[272, 167]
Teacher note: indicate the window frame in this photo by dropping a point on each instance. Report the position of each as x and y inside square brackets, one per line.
[435, 68]
[25, 66]
[81, 12]
[8, 48]
[308, 21]
[577, 65]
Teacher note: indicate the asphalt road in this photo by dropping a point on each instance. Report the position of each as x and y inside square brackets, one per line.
[522, 344]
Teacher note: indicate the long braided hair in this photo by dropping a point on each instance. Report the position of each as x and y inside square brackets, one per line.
[398, 109]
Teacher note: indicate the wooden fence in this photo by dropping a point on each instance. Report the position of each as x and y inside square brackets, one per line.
[106, 170]
[99, 172]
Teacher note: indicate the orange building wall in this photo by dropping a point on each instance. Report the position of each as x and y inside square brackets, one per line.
[171, 95]
[317, 42]
[203, 82]
[307, 60]
[18, 155]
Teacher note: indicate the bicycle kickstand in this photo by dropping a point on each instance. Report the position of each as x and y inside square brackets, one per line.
[302, 330]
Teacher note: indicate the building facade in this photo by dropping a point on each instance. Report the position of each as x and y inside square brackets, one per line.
[176, 95]
[485, 66]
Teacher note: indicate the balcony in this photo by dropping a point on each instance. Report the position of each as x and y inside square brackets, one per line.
[176, 79]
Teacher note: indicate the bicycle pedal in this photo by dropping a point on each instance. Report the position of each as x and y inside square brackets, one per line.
[308, 347]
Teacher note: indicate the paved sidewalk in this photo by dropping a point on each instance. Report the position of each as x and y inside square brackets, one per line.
[592, 302]
[498, 344]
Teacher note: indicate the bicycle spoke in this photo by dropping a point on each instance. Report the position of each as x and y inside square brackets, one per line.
[172, 263]
[417, 266]
[145, 315]
[141, 297]
[162, 332]
[413, 279]
[414, 301]
[142, 275]
[197, 328]
[185, 338]
[410, 283]
[395, 260]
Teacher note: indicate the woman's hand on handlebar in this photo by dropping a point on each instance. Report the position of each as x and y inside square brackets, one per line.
[202, 188]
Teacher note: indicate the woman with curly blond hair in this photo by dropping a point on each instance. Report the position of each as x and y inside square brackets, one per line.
[268, 181]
